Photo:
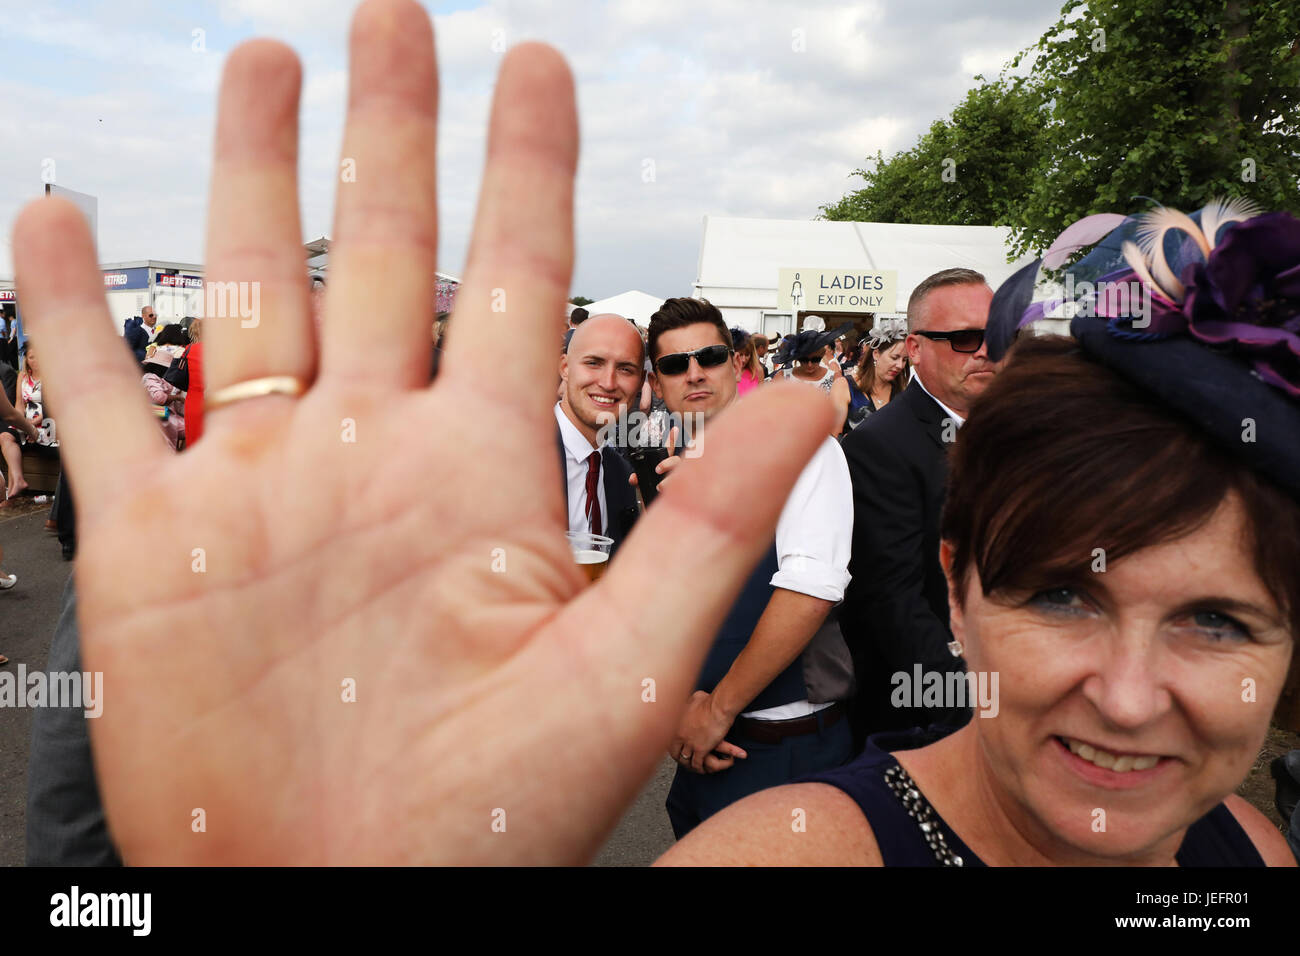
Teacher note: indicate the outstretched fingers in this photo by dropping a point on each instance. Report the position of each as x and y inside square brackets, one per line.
[521, 256]
[93, 386]
[678, 574]
[256, 321]
[386, 216]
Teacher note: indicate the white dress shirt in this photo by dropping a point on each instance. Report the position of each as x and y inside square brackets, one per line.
[576, 452]
[814, 537]
[960, 420]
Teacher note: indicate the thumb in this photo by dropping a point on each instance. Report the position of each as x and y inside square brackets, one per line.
[729, 749]
[680, 570]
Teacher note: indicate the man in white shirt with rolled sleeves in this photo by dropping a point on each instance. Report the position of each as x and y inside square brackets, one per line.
[769, 704]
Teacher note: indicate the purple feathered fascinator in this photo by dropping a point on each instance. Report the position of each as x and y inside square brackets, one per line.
[1201, 309]
[1226, 276]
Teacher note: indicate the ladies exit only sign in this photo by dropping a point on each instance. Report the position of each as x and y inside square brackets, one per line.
[836, 290]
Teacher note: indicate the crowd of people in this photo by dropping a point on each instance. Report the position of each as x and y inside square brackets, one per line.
[23, 422]
[167, 354]
[1021, 599]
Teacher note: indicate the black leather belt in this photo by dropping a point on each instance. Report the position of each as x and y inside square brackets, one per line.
[774, 731]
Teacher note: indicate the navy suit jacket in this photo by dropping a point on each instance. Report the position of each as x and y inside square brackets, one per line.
[895, 611]
[136, 336]
[620, 497]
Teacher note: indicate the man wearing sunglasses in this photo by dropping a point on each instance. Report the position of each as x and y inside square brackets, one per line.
[140, 331]
[769, 701]
[895, 614]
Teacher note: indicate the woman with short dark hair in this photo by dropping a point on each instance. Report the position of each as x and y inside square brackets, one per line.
[172, 334]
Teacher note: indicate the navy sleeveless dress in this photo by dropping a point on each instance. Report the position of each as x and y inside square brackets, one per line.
[860, 406]
[872, 780]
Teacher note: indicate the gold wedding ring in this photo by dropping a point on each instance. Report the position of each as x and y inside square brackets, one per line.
[254, 388]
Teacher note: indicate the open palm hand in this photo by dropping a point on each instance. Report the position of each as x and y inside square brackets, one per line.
[346, 626]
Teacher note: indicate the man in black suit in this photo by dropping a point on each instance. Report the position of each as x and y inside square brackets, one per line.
[601, 376]
[140, 331]
[895, 614]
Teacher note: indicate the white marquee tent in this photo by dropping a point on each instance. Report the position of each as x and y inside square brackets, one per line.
[637, 306]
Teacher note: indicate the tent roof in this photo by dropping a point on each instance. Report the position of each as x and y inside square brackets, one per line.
[637, 306]
[746, 253]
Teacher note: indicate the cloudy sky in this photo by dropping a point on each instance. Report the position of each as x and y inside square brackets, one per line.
[739, 108]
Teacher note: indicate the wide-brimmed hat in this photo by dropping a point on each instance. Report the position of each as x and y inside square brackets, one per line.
[810, 342]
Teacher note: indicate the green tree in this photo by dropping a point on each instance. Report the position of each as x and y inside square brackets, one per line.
[581, 300]
[1177, 100]
[972, 168]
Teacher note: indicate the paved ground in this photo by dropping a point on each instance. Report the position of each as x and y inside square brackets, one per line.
[644, 834]
[27, 616]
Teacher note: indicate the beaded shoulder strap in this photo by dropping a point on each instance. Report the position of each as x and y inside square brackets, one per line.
[918, 808]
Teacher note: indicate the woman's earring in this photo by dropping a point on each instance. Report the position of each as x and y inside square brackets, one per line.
[955, 648]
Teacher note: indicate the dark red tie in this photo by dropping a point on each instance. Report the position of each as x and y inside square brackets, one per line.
[593, 500]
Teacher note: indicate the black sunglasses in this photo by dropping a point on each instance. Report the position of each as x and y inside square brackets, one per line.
[961, 340]
[711, 356]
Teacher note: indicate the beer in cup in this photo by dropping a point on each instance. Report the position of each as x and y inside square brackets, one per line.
[590, 552]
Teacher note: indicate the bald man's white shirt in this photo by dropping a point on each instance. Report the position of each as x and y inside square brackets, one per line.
[576, 452]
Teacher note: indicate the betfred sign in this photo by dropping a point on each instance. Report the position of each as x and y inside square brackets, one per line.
[119, 279]
[180, 282]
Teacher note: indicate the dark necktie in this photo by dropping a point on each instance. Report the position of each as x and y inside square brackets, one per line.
[593, 500]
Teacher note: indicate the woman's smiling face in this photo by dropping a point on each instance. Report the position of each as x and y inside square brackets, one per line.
[1166, 665]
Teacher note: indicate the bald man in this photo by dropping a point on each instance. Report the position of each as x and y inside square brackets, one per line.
[600, 379]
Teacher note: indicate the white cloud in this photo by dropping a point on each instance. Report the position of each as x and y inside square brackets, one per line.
[988, 62]
[286, 17]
